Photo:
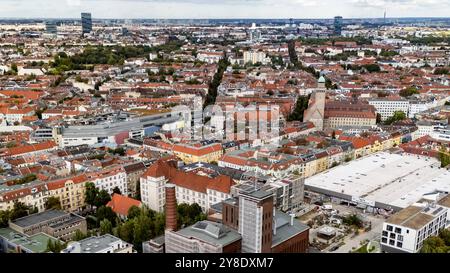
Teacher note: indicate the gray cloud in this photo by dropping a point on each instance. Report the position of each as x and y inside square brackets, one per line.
[223, 8]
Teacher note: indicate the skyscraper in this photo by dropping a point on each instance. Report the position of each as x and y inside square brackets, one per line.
[338, 25]
[255, 221]
[50, 27]
[86, 22]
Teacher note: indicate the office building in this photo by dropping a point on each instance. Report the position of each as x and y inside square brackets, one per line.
[338, 25]
[387, 106]
[12, 241]
[255, 221]
[50, 28]
[86, 22]
[56, 223]
[99, 244]
[406, 230]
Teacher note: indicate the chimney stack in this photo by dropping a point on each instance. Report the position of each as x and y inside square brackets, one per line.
[171, 207]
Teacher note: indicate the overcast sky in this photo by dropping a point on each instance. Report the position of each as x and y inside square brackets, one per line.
[223, 8]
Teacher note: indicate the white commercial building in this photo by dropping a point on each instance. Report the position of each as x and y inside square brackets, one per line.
[406, 230]
[386, 107]
[382, 180]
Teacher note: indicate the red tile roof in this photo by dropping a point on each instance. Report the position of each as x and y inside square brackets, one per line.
[121, 204]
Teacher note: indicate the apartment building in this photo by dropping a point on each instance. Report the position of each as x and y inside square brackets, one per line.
[193, 153]
[110, 178]
[263, 162]
[254, 57]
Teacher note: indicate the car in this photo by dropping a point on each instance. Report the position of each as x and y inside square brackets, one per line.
[334, 248]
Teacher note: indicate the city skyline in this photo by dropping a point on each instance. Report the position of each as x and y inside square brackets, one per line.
[233, 9]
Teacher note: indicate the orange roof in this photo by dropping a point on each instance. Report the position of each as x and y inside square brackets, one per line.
[31, 95]
[57, 184]
[30, 148]
[196, 149]
[121, 204]
[189, 180]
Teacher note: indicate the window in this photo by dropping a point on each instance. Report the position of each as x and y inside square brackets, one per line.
[399, 244]
[384, 240]
[391, 242]
[400, 238]
[398, 230]
[385, 233]
[389, 228]
[392, 236]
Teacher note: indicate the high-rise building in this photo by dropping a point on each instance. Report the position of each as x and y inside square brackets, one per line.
[338, 25]
[86, 22]
[50, 27]
[255, 221]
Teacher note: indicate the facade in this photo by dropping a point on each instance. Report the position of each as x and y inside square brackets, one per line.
[86, 22]
[192, 186]
[388, 105]
[344, 114]
[406, 230]
[338, 25]
[70, 191]
[110, 178]
[198, 152]
[56, 223]
[316, 109]
[255, 221]
[50, 28]
[254, 57]
[134, 172]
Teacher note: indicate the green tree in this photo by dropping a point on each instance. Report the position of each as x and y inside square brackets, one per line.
[54, 246]
[53, 203]
[444, 157]
[445, 235]
[102, 198]
[434, 244]
[372, 68]
[104, 212]
[105, 227]
[117, 190]
[78, 236]
[4, 218]
[91, 194]
[398, 116]
[300, 107]
[409, 91]
[19, 210]
[133, 212]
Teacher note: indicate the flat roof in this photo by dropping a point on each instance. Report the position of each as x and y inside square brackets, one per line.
[415, 216]
[284, 229]
[36, 243]
[210, 232]
[36, 218]
[96, 244]
[397, 180]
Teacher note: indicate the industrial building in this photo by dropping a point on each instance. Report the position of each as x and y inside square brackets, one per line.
[389, 181]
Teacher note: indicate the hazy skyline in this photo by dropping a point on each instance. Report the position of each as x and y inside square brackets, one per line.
[223, 9]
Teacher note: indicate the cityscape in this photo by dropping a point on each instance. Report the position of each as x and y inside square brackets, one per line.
[284, 135]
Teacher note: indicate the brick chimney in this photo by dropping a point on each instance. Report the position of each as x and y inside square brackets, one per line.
[171, 207]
